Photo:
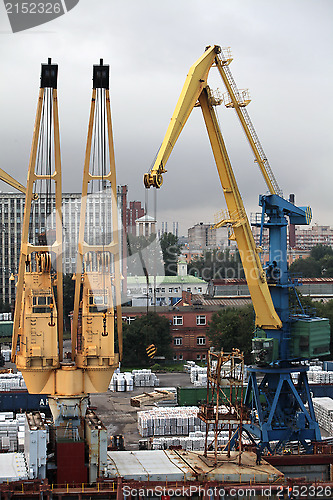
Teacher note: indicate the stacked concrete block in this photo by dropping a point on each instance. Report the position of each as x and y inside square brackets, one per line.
[188, 365]
[316, 375]
[145, 378]
[198, 375]
[8, 432]
[6, 353]
[323, 408]
[11, 382]
[169, 421]
[125, 382]
[320, 377]
[173, 398]
[195, 441]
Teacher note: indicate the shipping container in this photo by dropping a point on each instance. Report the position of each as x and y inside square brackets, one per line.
[310, 338]
[321, 390]
[17, 401]
[6, 328]
[192, 396]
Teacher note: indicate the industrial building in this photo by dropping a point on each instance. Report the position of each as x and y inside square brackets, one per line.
[205, 237]
[316, 288]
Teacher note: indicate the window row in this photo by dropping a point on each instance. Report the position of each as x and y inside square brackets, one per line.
[179, 320]
[171, 290]
[179, 341]
[180, 357]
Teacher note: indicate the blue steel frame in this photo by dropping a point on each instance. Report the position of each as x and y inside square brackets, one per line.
[278, 405]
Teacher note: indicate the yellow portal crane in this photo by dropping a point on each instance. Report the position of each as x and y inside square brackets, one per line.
[11, 181]
[37, 346]
[197, 92]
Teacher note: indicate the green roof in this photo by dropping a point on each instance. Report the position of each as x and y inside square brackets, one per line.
[167, 280]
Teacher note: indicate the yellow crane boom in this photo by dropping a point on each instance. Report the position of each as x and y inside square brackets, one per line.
[11, 181]
[195, 82]
[196, 89]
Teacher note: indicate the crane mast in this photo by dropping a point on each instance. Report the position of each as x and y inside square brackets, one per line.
[281, 339]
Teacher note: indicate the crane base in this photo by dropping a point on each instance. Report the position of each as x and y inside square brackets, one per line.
[282, 410]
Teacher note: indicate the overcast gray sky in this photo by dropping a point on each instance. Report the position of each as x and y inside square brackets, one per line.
[282, 52]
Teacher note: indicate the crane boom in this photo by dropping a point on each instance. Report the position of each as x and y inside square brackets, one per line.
[11, 181]
[266, 316]
[195, 82]
[196, 88]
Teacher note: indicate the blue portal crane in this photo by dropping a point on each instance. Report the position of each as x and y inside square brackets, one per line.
[278, 396]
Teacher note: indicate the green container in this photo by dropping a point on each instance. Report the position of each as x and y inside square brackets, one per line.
[6, 328]
[310, 338]
[192, 396]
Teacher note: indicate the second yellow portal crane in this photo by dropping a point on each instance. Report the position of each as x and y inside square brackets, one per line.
[197, 92]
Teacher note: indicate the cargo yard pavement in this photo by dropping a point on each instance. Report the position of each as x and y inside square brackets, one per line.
[117, 414]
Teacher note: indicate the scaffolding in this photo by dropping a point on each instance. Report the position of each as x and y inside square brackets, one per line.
[224, 408]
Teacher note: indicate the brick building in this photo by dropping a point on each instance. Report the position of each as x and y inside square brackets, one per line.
[133, 212]
[189, 320]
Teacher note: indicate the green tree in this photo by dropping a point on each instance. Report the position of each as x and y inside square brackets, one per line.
[327, 266]
[318, 264]
[306, 268]
[171, 249]
[217, 264]
[233, 328]
[320, 251]
[146, 330]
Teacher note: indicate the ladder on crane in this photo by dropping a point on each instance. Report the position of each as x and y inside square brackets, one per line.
[239, 100]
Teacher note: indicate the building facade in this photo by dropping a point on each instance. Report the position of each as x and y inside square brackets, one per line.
[188, 329]
[145, 226]
[301, 239]
[316, 288]
[164, 291]
[189, 322]
[305, 239]
[205, 237]
[133, 212]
